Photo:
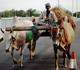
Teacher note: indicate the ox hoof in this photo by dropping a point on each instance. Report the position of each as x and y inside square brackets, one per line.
[56, 68]
[7, 50]
[17, 49]
[20, 65]
[65, 66]
[33, 53]
[31, 58]
[15, 62]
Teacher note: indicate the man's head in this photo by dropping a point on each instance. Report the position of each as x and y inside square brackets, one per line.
[47, 5]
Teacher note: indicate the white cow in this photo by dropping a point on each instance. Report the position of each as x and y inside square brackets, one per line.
[17, 40]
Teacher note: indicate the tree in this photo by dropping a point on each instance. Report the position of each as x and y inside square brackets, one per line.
[1, 14]
[20, 13]
[32, 12]
[10, 13]
[6, 14]
[78, 14]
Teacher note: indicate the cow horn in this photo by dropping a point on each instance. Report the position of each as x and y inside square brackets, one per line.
[2, 30]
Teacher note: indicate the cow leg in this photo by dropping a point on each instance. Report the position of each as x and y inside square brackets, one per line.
[21, 57]
[64, 55]
[7, 50]
[68, 52]
[31, 46]
[28, 47]
[14, 59]
[56, 57]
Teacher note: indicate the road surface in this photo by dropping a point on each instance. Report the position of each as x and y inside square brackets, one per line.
[44, 56]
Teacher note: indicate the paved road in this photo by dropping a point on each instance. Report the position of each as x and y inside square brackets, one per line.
[44, 57]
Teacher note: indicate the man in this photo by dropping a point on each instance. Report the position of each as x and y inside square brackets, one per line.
[47, 16]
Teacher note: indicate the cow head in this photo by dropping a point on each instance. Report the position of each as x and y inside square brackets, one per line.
[56, 34]
[16, 40]
[12, 41]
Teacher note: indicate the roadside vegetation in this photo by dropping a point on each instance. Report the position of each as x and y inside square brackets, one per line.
[28, 13]
[21, 13]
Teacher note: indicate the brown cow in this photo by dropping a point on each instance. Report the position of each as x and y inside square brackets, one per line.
[60, 13]
[62, 36]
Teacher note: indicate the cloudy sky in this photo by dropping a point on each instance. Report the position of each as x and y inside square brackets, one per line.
[37, 4]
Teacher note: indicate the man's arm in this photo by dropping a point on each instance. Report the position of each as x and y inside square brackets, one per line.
[41, 18]
[54, 17]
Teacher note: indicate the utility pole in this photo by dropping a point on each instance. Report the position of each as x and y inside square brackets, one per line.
[9, 13]
[58, 3]
[72, 8]
[76, 8]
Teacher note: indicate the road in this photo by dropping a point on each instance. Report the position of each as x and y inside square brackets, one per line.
[44, 56]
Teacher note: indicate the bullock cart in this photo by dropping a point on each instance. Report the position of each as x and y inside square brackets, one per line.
[49, 31]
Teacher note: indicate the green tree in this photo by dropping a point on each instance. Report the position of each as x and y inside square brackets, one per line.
[20, 13]
[1, 14]
[32, 12]
[6, 14]
[10, 13]
[78, 14]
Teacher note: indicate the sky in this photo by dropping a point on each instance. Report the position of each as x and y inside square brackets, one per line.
[37, 4]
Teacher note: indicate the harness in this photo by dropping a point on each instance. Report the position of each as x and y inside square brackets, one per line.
[60, 42]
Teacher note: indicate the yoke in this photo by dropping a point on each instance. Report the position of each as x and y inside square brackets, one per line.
[30, 28]
[27, 28]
